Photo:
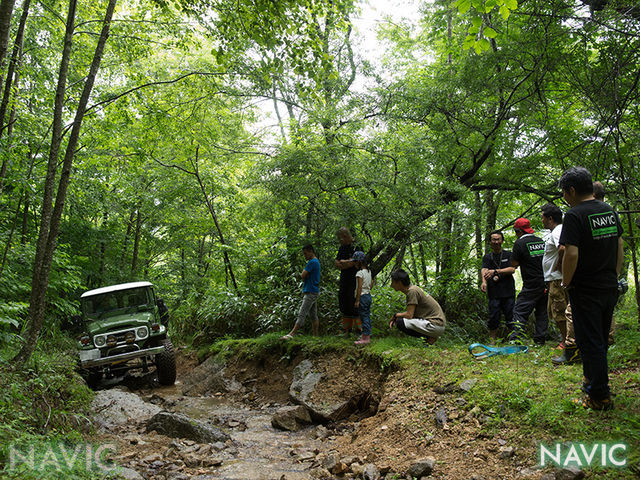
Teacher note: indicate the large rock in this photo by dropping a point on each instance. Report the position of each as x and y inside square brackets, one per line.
[176, 425]
[305, 380]
[291, 418]
[422, 467]
[208, 377]
[371, 472]
[117, 407]
[124, 473]
[570, 473]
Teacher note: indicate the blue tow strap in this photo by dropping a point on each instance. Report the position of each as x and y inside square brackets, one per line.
[487, 351]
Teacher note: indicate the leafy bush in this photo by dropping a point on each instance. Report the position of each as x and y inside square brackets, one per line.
[15, 289]
[46, 397]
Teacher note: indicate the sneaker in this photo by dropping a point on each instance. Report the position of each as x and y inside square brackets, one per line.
[560, 346]
[588, 402]
[363, 340]
[569, 356]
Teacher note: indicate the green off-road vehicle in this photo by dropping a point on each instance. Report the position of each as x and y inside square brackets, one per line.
[124, 328]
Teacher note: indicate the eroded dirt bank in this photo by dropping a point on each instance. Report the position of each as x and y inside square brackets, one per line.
[389, 431]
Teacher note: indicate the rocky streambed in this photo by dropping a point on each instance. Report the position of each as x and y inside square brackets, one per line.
[222, 422]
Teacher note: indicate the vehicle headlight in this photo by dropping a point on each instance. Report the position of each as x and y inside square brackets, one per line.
[99, 340]
[142, 332]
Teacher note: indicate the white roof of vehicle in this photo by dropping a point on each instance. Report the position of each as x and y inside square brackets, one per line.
[115, 288]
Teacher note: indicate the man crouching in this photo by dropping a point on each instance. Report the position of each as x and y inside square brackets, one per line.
[423, 317]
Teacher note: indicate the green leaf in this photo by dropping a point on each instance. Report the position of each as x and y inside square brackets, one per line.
[489, 5]
[469, 42]
[489, 32]
[505, 12]
[511, 4]
[464, 6]
[9, 321]
[473, 30]
[484, 44]
[476, 21]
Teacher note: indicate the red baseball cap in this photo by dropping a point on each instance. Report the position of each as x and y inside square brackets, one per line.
[524, 225]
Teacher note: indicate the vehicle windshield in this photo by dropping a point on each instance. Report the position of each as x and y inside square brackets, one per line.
[128, 300]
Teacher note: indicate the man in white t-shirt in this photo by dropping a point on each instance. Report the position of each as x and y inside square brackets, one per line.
[558, 297]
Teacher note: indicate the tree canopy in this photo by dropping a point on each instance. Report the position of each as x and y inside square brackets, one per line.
[200, 144]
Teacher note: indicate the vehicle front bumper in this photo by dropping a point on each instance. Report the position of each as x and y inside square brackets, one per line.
[91, 358]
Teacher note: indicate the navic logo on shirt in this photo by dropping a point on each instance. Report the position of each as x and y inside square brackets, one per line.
[603, 225]
[536, 248]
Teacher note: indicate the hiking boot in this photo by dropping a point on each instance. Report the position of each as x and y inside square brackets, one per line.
[363, 340]
[560, 346]
[569, 355]
[588, 402]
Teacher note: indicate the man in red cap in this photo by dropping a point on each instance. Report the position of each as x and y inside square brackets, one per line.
[528, 251]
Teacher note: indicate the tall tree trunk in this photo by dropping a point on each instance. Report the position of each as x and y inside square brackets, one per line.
[51, 214]
[423, 263]
[11, 84]
[446, 269]
[414, 263]
[227, 260]
[492, 215]
[25, 219]
[136, 243]
[103, 248]
[125, 243]
[478, 230]
[399, 258]
[10, 238]
[6, 10]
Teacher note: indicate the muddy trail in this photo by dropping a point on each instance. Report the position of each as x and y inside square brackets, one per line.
[333, 416]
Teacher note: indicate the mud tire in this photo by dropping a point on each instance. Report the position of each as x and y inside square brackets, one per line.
[166, 364]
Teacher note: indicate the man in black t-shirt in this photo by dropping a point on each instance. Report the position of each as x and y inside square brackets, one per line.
[346, 293]
[527, 254]
[497, 281]
[592, 237]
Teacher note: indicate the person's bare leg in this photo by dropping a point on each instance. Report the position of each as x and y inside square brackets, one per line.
[295, 328]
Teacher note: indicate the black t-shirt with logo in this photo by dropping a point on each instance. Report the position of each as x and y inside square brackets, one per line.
[505, 287]
[594, 227]
[528, 252]
[348, 275]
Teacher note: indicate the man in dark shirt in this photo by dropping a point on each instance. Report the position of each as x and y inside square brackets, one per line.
[346, 293]
[592, 236]
[527, 254]
[497, 281]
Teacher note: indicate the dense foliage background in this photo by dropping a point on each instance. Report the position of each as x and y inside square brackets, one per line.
[463, 123]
